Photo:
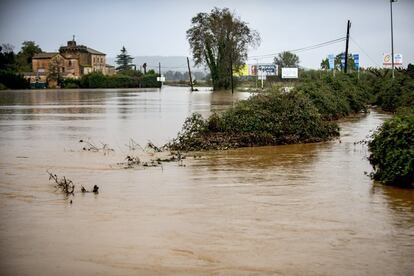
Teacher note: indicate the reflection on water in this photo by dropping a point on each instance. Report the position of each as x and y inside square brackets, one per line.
[297, 209]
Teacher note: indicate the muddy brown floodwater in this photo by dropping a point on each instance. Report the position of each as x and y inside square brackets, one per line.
[288, 210]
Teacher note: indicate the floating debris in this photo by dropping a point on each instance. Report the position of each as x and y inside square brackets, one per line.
[91, 146]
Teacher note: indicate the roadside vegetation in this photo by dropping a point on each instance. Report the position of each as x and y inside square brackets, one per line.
[392, 145]
[306, 114]
[392, 151]
[125, 79]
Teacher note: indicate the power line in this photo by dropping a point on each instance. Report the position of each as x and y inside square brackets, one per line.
[303, 49]
[373, 60]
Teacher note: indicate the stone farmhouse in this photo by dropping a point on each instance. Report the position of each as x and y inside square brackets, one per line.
[72, 61]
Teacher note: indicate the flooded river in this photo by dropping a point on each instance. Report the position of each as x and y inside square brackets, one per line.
[285, 210]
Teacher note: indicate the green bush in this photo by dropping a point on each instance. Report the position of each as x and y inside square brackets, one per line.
[71, 83]
[336, 97]
[265, 119]
[394, 93]
[13, 80]
[122, 80]
[392, 151]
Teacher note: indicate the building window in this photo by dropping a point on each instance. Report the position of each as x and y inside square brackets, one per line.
[70, 63]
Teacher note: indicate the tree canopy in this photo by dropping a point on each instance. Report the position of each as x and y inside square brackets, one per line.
[220, 40]
[24, 57]
[337, 62]
[287, 59]
[124, 60]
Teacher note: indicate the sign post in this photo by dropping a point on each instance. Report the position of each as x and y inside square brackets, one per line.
[265, 69]
[331, 59]
[356, 62]
[161, 79]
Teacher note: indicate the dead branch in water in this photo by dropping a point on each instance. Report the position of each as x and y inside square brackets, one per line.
[63, 184]
[90, 146]
[151, 145]
[132, 145]
[67, 186]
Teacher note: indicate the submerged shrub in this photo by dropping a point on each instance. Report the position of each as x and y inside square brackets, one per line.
[392, 151]
[264, 119]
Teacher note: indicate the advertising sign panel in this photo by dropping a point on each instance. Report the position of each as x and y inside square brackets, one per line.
[267, 69]
[243, 71]
[289, 73]
[387, 62]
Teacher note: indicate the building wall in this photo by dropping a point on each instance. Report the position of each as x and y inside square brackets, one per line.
[98, 63]
[42, 64]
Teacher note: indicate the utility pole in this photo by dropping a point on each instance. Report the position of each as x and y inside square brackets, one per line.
[189, 72]
[159, 71]
[347, 44]
[392, 40]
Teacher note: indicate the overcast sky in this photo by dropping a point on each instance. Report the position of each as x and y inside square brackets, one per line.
[159, 27]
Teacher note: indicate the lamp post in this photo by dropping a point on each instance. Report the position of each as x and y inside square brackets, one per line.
[392, 40]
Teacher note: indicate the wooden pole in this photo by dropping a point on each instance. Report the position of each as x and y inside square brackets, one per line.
[347, 46]
[392, 43]
[189, 72]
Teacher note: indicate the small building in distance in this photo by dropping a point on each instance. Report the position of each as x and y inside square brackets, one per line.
[72, 61]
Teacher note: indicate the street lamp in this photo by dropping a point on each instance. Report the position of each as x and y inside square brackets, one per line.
[392, 40]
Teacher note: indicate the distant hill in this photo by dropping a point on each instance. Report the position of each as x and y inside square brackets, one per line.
[168, 63]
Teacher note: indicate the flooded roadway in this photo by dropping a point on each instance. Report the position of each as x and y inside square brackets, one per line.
[288, 210]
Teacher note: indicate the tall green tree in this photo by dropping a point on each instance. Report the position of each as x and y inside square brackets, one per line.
[338, 64]
[7, 57]
[220, 40]
[325, 64]
[124, 60]
[25, 56]
[287, 59]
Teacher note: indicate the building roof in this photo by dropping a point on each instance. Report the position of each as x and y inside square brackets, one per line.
[94, 52]
[45, 55]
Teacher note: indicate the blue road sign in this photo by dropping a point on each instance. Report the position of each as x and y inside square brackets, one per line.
[342, 60]
[331, 59]
[356, 61]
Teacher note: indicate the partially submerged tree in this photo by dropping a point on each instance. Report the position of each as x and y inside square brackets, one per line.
[220, 40]
[124, 60]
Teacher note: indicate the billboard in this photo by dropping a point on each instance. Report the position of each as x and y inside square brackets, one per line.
[387, 62]
[264, 69]
[289, 73]
[267, 69]
[243, 71]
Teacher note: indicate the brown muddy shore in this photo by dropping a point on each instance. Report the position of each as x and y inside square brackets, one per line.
[296, 209]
